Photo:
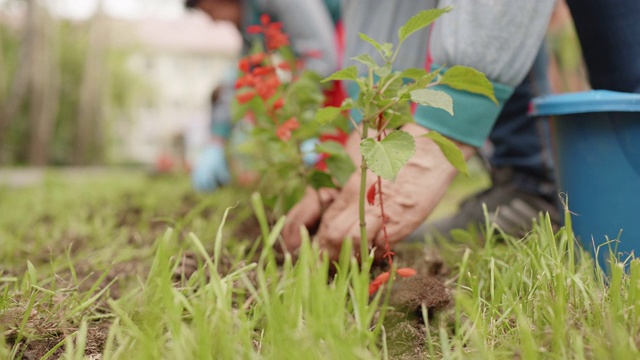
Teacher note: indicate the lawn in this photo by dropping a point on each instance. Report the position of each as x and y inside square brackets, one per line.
[120, 265]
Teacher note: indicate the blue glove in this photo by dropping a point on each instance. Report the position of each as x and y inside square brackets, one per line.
[211, 169]
[309, 155]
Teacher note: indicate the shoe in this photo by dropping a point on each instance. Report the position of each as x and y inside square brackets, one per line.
[509, 207]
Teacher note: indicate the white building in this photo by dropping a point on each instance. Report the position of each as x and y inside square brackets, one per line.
[182, 60]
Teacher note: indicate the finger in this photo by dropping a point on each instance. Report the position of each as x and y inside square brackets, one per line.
[345, 224]
[305, 213]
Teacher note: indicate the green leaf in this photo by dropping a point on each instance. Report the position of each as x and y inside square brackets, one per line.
[383, 71]
[414, 73]
[320, 179]
[349, 73]
[371, 41]
[327, 114]
[385, 158]
[468, 79]
[420, 20]
[366, 59]
[341, 167]
[433, 98]
[331, 148]
[387, 50]
[450, 151]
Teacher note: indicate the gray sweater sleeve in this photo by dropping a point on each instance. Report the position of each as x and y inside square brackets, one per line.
[498, 37]
[310, 29]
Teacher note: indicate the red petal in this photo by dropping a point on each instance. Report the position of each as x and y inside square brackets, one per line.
[278, 104]
[245, 97]
[382, 278]
[283, 133]
[257, 58]
[265, 19]
[244, 65]
[254, 29]
[371, 194]
[406, 272]
[291, 124]
[373, 288]
[378, 281]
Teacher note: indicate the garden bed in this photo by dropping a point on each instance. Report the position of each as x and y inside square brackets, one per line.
[115, 267]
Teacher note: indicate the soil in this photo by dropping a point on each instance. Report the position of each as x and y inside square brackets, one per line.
[404, 323]
[46, 334]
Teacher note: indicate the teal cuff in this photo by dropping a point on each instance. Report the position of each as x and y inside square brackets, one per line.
[474, 115]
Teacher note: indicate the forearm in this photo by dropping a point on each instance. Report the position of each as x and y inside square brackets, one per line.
[501, 40]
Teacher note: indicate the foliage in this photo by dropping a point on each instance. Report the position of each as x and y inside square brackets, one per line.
[280, 99]
[383, 104]
[70, 45]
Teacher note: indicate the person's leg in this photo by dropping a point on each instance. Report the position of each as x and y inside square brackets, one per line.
[609, 31]
[518, 140]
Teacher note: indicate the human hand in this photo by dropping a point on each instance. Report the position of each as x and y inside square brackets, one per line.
[211, 168]
[418, 188]
[307, 213]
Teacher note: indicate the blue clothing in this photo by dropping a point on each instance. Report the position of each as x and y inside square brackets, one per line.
[609, 31]
[520, 141]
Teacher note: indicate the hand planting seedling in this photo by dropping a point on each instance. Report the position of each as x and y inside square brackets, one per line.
[384, 107]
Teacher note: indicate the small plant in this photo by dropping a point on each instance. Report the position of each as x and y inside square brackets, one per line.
[280, 99]
[384, 105]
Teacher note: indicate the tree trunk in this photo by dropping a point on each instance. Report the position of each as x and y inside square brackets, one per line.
[45, 90]
[21, 79]
[87, 142]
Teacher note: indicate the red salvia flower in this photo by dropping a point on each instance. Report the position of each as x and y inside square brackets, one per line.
[244, 65]
[256, 58]
[245, 80]
[265, 19]
[378, 281]
[278, 104]
[284, 131]
[254, 29]
[406, 272]
[245, 97]
[284, 66]
[262, 70]
[371, 194]
[384, 278]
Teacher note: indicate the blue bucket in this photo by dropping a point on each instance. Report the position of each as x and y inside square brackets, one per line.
[596, 140]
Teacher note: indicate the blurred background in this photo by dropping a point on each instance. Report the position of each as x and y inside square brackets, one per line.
[115, 82]
[107, 82]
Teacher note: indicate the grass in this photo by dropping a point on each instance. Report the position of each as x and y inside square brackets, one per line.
[88, 266]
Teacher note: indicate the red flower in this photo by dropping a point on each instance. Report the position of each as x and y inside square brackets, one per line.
[278, 104]
[257, 58]
[378, 281]
[262, 70]
[371, 194]
[284, 131]
[275, 39]
[406, 272]
[244, 65]
[284, 66]
[265, 19]
[254, 29]
[245, 97]
[246, 80]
